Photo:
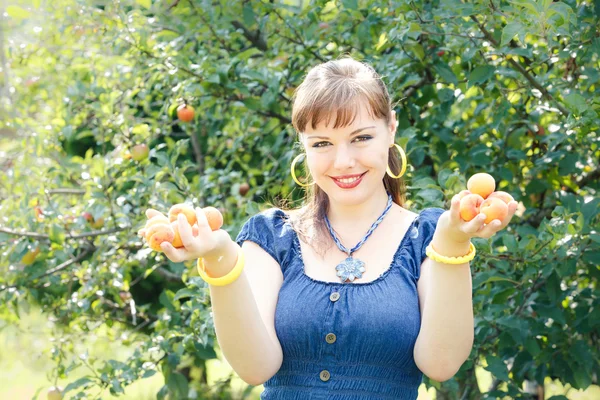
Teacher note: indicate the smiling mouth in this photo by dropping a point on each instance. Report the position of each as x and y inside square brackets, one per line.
[349, 181]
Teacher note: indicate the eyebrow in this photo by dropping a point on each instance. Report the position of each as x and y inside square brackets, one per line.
[353, 133]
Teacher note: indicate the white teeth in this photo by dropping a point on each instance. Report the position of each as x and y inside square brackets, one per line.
[348, 180]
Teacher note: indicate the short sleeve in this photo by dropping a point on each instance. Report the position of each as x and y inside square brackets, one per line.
[425, 226]
[268, 230]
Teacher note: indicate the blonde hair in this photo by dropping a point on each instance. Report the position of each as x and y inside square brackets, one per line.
[337, 89]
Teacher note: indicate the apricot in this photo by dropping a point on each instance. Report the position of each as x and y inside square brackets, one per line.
[189, 212]
[157, 219]
[159, 233]
[470, 206]
[482, 184]
[177, 242]
[214, 217]
[507, 198]
[494, 208]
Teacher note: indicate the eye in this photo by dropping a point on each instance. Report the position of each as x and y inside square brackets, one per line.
[365, 137]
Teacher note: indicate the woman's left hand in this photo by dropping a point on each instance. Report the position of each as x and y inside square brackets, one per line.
[461, 231]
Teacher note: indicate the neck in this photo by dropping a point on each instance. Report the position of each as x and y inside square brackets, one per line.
[358, 216]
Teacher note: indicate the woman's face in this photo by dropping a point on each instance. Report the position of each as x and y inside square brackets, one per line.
[360, 148]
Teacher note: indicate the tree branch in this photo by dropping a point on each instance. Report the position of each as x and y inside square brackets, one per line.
[56, 269]
[522, 70]
[42, 236]
[255, 38]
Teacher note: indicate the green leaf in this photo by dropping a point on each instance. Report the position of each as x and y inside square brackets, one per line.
[350, 4]
[509, 32]
[497, 367]
[446, 73]
[78, 383]
[530, 5]
[144, 3]
[248, 15]
[178, 384]
[481, 74]
[532, 346]
[56, 234]
[431, 195]
[185, 292]
[576, 103]
[17, 12]
[166, 301]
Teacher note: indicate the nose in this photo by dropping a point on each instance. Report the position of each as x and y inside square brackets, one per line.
[344, 159]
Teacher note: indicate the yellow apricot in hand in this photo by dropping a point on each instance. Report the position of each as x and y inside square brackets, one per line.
[159, 233]
[189, 212]
[214, 217]
[494, 208]
[177, 243]
[506, 197]
[470, 206]
[157, 219]
[482, 184]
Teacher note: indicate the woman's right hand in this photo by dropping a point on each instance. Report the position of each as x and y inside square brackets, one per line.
[205, 243]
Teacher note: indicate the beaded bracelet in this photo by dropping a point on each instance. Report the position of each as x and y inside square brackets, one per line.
[434, 255]
[226, 279]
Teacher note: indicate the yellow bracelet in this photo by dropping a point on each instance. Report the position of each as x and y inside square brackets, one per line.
[224, 280]
[434, 255]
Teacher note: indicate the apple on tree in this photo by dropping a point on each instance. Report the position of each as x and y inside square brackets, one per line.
[140, 152]
[185, 113]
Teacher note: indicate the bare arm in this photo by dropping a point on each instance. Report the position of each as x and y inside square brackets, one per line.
[244, 312]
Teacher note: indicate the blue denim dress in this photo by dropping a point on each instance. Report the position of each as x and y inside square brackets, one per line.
[344, 341]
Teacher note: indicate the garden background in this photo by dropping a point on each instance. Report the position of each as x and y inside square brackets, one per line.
[504, 87]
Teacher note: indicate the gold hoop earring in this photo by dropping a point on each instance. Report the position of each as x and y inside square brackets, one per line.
[294, 174]
[403, 169]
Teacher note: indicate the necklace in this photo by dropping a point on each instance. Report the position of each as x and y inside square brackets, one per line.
[353, 268]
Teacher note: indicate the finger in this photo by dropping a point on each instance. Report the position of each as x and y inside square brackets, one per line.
[512, 208]
[195, 230]
[455, 210]
[490, 229]
[475, 225]
[203, 226]
[463, 193]
[171, 252]
[185, 231]
[151, 212]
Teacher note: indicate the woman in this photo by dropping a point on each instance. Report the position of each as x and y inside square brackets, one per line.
[351, 296]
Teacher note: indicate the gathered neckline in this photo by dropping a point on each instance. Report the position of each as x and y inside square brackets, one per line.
[380, 278]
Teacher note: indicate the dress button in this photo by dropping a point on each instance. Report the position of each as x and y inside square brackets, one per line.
[330, 338]
[334, 296]
[324, 375]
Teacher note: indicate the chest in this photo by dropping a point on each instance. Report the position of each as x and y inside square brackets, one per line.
[377, 252]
